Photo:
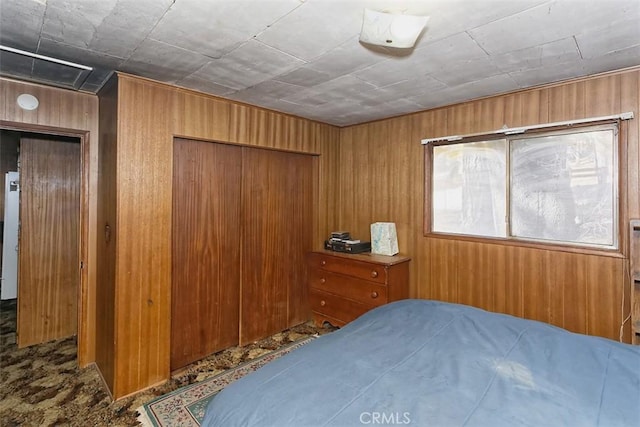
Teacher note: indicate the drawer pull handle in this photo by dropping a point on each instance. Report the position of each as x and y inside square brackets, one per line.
[323, 303]
[323, 262]
[374, 273]
[374, 294]
[323, 280]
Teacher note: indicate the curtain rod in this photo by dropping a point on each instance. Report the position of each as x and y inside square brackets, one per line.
[523, 129]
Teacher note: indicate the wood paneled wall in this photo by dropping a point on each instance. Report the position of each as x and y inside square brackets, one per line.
[578, 291]
[75, 113]
[149, 116]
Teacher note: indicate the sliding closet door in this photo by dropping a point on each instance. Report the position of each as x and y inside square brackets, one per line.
[277, 213]
[206, 249]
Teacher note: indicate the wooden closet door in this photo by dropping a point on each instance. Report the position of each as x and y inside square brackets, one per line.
[48, 260]
[277, 215]
[206, 249]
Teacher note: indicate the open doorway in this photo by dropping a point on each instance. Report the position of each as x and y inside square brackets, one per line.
[9, 143]
[47, 265]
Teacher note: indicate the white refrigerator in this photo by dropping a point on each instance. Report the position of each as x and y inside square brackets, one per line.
[9, 288]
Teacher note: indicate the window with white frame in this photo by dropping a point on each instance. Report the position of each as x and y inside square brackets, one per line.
[556, 187]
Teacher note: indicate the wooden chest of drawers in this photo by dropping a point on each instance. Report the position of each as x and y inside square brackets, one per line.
[345, 286]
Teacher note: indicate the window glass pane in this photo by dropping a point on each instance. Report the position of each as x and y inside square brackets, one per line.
[469, 191]
[563, 187]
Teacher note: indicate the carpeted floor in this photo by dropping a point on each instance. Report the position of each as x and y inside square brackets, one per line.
[42, 385]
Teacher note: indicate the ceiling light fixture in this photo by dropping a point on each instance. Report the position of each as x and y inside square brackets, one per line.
[27, 102]
[391, 30]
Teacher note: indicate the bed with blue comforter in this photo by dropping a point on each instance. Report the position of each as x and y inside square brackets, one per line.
[427, 363]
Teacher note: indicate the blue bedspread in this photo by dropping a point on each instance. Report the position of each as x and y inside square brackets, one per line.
[426, 363]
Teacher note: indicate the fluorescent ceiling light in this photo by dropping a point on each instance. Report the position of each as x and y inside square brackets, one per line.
[45, 58]
[391, 30]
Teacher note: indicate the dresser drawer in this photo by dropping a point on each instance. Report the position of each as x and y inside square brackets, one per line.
[336, 307]
[343, 286]
[370, 293]
[357, 269]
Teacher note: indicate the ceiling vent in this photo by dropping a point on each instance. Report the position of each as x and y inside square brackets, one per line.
[37, 68]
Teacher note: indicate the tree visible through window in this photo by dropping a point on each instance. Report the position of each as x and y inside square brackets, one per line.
[559, 187]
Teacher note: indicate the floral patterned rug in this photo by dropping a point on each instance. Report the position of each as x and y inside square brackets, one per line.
[185, 406]
[42, 385]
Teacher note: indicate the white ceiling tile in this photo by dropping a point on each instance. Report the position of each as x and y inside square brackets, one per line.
[539, 56]
[388, 72]
[401, 106]
[550, 22]
[459, 46]
[214, 28]
[612, 61]
[265, 92]
[75, 23]
[314, 28]
[20, 23]
[128, 24]
[113, 27]
[194, 82]
[169, 62]
[535, 26]
[435, 99]
[621, 35]
[548, 74]
[417, 86]
[586, 15]
[337, 112]
[312, 98]
[248, 65]
[345, 59]
[305, 77]
[466, 72]
[346, 87]
[454, 16]
[247, 17]
[449, 59]
[483, 87]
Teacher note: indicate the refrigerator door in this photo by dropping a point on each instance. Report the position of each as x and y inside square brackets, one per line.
[9, 288]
